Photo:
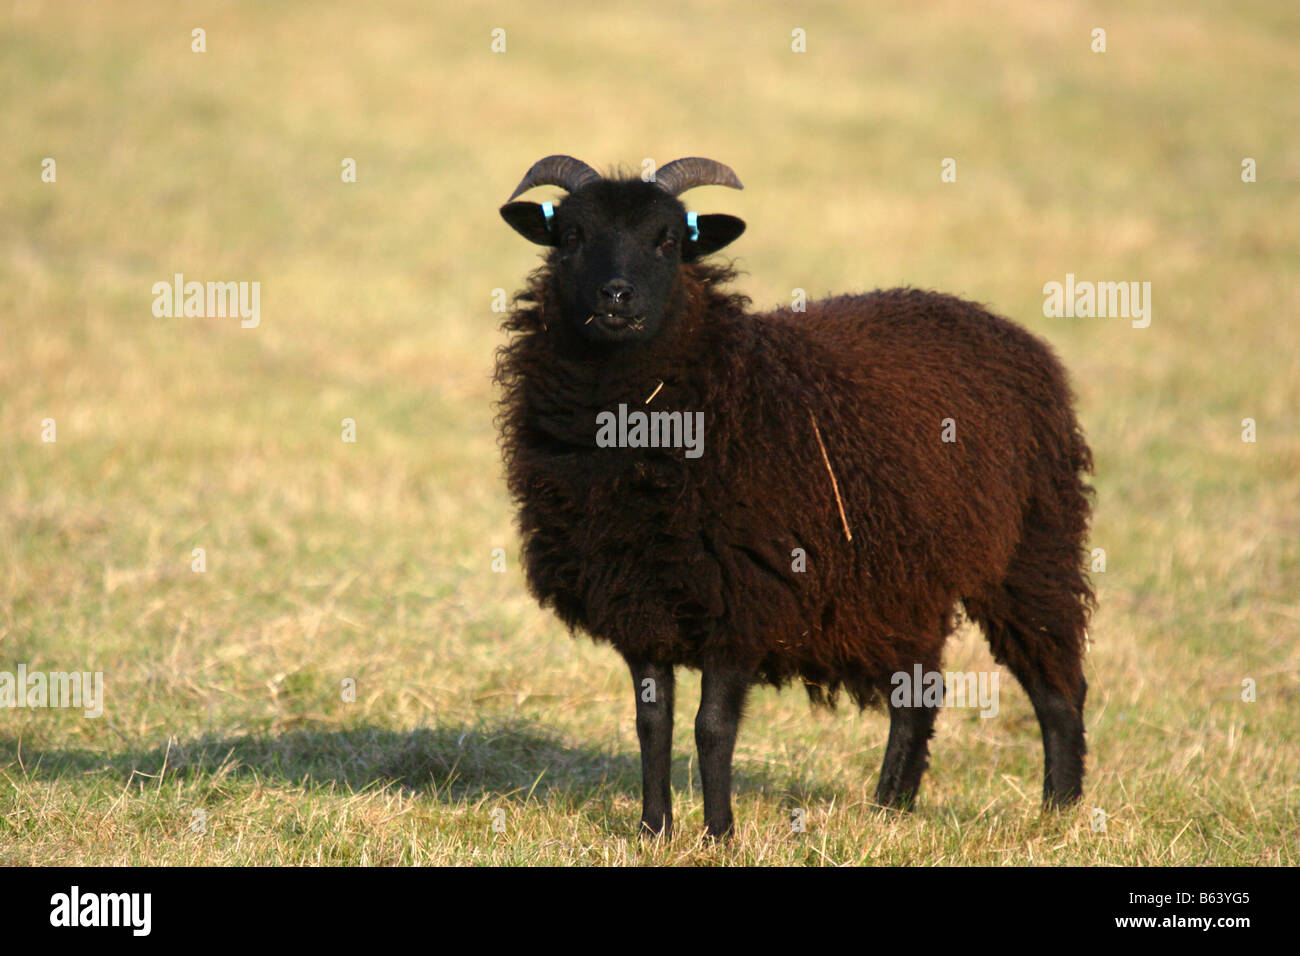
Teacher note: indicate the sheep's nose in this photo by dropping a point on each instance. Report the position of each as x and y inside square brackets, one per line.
[616, 292]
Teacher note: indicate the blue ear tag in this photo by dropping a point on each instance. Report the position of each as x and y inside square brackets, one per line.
[548, 211]
[692, 224]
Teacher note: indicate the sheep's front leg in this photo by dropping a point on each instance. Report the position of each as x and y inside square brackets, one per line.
[722, 698]
[653, 685]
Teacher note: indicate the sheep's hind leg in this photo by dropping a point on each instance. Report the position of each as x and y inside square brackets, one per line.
[653, 686]
[1036, 625]
[722, 699]
[1061, 720]
[907, 754]
[1050, 669]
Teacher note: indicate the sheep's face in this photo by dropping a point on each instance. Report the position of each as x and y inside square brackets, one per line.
[618, 248]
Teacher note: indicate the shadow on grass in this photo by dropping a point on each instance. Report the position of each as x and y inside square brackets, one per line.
[447, 763]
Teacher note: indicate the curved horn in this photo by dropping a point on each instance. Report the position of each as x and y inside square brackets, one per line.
[683, 174]
[563, 171]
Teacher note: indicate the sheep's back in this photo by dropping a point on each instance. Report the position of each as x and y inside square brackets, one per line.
[887, 377]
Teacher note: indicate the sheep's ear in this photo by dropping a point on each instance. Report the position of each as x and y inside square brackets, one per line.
[528, 219]
[716, 231]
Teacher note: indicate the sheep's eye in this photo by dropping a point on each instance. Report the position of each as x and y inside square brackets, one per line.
[667, 245]
[571, 239]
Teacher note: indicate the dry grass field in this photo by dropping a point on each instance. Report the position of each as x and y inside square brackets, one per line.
[226, 737]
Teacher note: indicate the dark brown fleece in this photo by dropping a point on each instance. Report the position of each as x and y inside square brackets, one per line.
[689, 561]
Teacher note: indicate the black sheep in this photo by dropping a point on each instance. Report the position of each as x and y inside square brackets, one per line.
[823, 431]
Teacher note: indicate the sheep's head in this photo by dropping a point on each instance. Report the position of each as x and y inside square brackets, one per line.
[620, 242]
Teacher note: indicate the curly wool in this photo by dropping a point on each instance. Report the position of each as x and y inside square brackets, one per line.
[692, 561]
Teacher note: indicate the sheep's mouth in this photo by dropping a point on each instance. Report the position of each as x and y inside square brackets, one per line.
[611, 322]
